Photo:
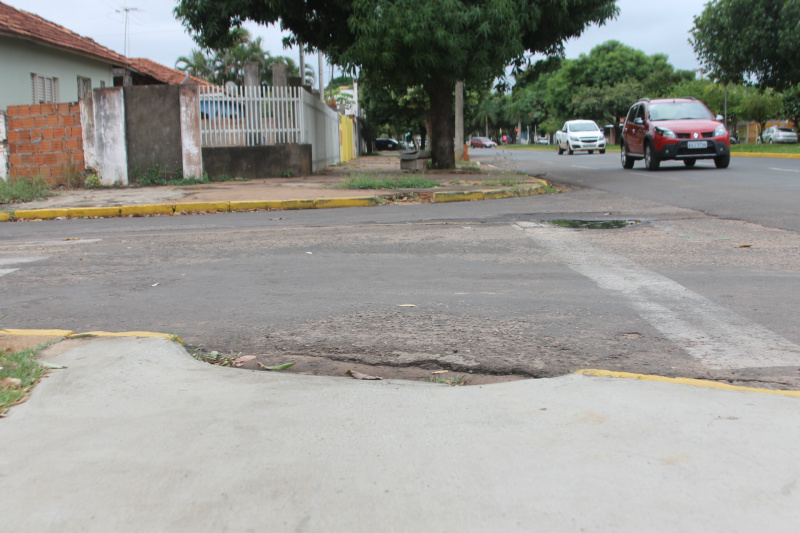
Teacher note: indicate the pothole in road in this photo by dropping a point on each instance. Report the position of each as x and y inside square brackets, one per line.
[593, 224]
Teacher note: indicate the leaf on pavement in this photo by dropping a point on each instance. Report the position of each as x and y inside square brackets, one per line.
[441, 372]
[7, 383]
[243, 359]
[278, 367]
[52, 366]
[359, 375]
[746, 246]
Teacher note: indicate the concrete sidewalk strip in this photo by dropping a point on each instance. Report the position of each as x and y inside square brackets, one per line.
[136, 435]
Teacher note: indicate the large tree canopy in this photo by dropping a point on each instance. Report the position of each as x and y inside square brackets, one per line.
[426, 43]
[750, 40]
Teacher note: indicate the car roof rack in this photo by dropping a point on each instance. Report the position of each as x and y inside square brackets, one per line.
[643, 100]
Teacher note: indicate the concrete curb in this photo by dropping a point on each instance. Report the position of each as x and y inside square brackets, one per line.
[66, 334]
[256, 205]
[683, 381]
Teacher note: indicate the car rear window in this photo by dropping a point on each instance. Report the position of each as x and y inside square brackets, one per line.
[679, 111]
[789, 130]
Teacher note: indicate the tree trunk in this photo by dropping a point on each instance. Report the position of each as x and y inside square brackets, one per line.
[442, 125]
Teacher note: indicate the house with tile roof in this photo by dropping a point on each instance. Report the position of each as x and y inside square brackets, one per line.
[43, 62]
[143, 71]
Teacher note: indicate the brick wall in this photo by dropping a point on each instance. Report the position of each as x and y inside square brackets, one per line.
[45, 140]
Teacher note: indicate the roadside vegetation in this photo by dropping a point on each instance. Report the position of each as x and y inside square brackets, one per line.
[24, 190]
[371, 181]
[19, 373]
[766, 148]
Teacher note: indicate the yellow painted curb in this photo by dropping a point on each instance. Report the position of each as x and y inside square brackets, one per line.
[495, 194]
[203, 206]
[147, 209]
[297, 204]
[362, 201]
[143, 334]
[763, 154]
[37, 332]
[81, 212]
[32, 214]
[5, 216]
[457, 196]
[684, 381]
[252, 205]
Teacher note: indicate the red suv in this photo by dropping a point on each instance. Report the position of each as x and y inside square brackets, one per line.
[673, 128]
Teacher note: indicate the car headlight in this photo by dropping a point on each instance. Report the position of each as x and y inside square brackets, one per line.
[664, 132]
[720, 131]
[575, 138]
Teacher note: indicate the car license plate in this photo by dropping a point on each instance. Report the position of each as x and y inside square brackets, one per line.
[694, 145]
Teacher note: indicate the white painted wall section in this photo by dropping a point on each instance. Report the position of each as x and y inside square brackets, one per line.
[191, 139]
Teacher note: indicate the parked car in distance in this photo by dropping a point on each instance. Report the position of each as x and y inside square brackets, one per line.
[580, 135]
[777, 134]
[386, 144]
[673, 128]
[481, 142]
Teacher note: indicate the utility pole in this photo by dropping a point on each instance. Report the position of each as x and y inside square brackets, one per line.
[127, 11]
[321, 84]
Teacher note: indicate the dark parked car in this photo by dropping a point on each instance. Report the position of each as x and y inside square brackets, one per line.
[482, 142]
[386, 144]
[673, 128]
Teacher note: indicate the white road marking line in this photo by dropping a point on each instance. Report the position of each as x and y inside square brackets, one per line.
[17, 260]
[581, 166]
[716, 336]
[29, 244]
[784, 169]
[4, 271]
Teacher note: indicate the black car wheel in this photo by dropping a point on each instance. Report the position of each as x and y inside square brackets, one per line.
[722, 161]
[651, 161]
[626, 161]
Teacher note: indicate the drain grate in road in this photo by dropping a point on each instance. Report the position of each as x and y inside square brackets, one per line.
[593, 224]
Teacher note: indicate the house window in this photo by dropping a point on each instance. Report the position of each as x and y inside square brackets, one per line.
[44, 89]
[84, 87]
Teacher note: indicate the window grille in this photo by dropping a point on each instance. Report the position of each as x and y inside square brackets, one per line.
[44, 89]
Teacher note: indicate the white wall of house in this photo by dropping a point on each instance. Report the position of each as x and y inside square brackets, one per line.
[20, 58]
[3, 146]
[321, 131]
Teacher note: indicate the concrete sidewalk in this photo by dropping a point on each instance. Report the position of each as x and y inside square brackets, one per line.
[135, 435]
[321, 190]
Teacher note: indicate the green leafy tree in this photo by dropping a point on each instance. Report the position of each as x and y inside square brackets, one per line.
[197, 64]
[749, 40]
[426, 43]
[760, 106]
[791, 105]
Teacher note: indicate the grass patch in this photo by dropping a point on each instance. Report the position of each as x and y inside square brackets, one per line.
[368, 181]
[20, 372]
[760, 148]
[24, 190]
[454, 381]
[503, 181]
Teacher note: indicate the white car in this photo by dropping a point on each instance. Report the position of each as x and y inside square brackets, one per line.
[580, 135]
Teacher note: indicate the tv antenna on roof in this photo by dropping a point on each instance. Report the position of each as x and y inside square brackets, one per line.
[127, 11]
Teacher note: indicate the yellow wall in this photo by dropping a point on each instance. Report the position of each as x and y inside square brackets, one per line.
[346, 149]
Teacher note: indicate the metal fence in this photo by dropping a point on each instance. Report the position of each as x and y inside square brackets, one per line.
[251, 116]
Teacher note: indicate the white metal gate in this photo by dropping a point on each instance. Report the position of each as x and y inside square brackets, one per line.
[251, 116]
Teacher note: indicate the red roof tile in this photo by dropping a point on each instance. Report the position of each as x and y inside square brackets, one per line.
[162, 73]
[24, 25]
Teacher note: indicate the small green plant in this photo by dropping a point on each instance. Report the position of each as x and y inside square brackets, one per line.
[24, 190]
[455, 381]
[287, 174]
[92, 181]
[72, 178]
[19, 373]
[369, 181]
[175, 337]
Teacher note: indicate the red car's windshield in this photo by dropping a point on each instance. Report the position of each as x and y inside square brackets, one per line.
[679, 111]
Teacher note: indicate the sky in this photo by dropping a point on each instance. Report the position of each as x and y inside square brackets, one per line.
[154, 33]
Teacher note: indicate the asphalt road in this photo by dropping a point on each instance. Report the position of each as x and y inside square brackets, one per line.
[470, 287]
[761, 190]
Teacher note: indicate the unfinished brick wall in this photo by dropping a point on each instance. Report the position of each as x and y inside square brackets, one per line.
[45, 140]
